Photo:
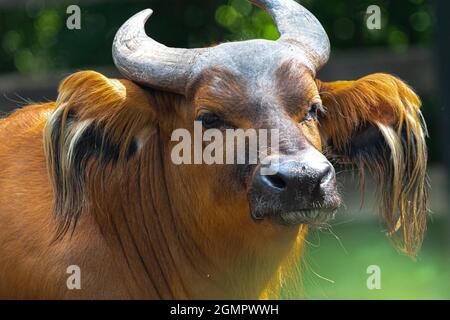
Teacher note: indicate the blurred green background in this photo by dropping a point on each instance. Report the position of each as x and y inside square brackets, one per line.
[37, 50]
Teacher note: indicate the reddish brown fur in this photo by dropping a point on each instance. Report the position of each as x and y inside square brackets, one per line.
[30, 265]
[190, 264]
[147, 229]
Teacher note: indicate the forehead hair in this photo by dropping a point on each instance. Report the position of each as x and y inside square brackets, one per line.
[290, 85]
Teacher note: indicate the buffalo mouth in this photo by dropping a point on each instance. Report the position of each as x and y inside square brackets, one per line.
[314, 217]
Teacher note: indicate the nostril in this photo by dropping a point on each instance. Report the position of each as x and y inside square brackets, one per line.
[326, 175]
[274, 181]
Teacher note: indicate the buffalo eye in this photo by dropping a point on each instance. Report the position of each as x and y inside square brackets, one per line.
[210, 120]
[313, 111]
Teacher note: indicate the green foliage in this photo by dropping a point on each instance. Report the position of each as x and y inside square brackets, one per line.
[404, 23]
[242, 21]
[34, 39]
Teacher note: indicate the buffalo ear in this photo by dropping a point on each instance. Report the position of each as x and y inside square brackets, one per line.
[375, 123]
[94, 125]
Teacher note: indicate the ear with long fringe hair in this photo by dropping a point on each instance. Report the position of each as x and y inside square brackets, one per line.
[94, 126]
[375, 123]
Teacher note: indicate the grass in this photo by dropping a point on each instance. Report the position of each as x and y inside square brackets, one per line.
[335, 264]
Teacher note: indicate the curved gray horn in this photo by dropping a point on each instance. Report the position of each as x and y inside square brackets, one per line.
[142, 59]
[298, 25]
